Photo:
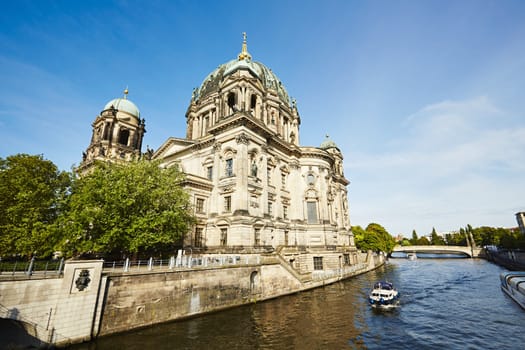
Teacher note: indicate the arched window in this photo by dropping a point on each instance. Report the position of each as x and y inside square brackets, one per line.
[228, 170]
[254, 279]
[106, 131]
[253, 101]
[123, 137]
[224, 236]
[232, 101]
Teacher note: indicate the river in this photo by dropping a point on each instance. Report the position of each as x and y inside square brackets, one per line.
[445, 304]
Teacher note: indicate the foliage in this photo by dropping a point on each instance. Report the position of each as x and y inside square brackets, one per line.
[414, 238]
[436, 239]
[32, 190]
[359, 236]
[512, 239]
[130, 208]
[455, 238]
[405, 242]
[374, 238]
[423, 241]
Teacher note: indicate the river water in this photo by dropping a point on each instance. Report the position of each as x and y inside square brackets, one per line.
[445, 304]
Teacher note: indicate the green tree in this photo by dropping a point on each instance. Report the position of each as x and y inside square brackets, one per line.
[489, 235]
[436, 239]
[386, 241]
[359, 236]
[423, 241]
[374, 237]
[456, 238]
[133, 208]
[414, 238]
[32, 190]
[405, 242]
[512, 240]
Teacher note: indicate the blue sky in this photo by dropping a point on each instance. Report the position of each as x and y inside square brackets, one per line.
[424, 98]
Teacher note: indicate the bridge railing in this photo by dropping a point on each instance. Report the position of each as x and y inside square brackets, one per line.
[438, 249]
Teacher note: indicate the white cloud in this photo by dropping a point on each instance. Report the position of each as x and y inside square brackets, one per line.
[455, 163]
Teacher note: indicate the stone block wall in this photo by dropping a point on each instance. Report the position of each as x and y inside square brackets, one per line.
[62, 310]
[32, 302]
[144, 299]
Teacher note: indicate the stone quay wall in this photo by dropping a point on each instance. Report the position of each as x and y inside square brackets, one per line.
[56, 310]
[69, 310]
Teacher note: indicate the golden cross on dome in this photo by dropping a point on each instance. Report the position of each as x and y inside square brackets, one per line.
[244, 52]
[126, 91]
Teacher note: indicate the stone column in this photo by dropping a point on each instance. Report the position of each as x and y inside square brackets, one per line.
[242, 168]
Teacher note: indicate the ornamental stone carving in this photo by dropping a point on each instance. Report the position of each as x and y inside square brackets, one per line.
[216, 147]
[242, 138]
[83, 280]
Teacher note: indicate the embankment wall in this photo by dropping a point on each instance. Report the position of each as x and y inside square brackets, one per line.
[71, 309]
[56, 309]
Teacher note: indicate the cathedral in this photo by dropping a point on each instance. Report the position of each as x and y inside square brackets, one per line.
[253, 187]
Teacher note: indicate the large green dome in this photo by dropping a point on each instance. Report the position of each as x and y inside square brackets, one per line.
[265, 75]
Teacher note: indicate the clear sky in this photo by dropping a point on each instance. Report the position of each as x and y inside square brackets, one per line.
[424, 98]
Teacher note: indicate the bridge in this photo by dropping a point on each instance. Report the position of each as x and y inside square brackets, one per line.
[472, 252]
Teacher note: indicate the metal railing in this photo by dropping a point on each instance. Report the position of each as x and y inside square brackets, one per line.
[181, 262]
[33, 267]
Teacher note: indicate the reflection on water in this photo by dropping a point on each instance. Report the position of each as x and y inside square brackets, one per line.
[445, 303]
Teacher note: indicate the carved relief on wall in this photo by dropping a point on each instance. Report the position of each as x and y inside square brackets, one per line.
[82, 280]
[216, 147]
[242, 138]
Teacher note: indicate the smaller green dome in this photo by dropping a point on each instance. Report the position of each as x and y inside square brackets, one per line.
[124, 105]
[328, 143]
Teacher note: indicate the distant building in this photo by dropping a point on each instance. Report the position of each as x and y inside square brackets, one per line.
[520, 218]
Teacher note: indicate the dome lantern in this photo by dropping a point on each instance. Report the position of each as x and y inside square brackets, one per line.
[244, 55]
[124, 105]
[328, 143]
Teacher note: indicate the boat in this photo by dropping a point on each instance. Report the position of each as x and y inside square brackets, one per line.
[383, 295]
[513, 284]
[411, 256]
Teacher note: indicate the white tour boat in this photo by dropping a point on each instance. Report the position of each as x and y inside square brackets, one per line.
[411, 256]
[383, 295]
[513, 283]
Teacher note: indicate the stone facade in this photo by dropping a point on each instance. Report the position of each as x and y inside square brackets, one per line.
[117, 134]
[252, 185]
